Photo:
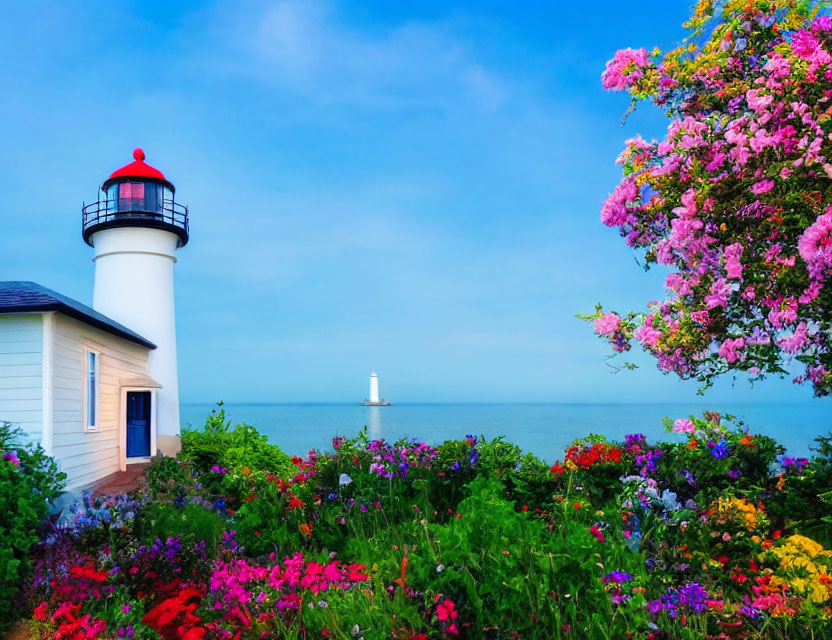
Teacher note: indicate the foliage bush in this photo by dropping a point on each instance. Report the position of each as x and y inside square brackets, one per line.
[29, 483]
[190, 523]
[223, 446]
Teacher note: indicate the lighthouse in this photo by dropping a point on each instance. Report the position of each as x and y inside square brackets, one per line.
[373, 400]
[136, 227]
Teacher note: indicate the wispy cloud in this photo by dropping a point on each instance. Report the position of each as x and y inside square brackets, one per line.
[306, 47]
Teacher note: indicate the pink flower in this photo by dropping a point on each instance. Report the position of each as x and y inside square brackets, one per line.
[718, 297]
[796, 341]
[647, 335]
[804, 44]
[777, 66]
[446, 610]
[764, 186]
[608, 324]
[815, 245]
[599, 535]
[732, 349]
[683, 425]
[733, 267]
[614, 211]
[757, 102]
[624, 69]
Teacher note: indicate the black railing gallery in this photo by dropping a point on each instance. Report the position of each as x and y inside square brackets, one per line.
[104, 214]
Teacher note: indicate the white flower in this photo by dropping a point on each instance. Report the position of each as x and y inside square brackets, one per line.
[355, 629]
[344, 479]
[440, 568]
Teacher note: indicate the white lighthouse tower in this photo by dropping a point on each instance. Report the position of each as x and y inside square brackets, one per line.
[373, 400]
[373, 388]
[136, 228]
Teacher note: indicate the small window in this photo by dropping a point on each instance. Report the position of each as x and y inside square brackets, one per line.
[131, 191]
[91, 389]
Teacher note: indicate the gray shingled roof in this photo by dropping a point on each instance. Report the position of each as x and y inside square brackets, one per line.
[30, 297]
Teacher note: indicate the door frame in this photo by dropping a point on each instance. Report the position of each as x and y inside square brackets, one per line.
[122, 431]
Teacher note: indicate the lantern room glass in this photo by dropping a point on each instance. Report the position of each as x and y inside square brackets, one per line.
[137, 196]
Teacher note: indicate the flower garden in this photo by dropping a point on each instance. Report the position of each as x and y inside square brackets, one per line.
[712, 534]
[715, 533]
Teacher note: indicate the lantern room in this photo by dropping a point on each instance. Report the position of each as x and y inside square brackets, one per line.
[136, 195]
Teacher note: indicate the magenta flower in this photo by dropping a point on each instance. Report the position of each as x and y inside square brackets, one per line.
[624, 69]
[764, 186]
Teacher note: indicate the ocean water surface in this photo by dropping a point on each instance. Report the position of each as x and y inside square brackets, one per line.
[544, 429]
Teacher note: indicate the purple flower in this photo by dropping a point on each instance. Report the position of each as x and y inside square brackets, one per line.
[633, 439]
[655, 607]
[616, 577]
[749, 612]
[688, 476]
[719, 449]
[11, 456]
[734, 473]
[794, 464]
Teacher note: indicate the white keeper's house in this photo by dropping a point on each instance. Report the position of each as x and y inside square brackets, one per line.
[97, 386]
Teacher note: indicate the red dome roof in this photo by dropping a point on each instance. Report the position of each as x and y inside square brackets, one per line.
[138, 169]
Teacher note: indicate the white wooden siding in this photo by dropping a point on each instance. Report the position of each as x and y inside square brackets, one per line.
[87, 456]
[21, 381]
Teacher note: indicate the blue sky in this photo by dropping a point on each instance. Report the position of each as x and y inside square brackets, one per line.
[410, 187]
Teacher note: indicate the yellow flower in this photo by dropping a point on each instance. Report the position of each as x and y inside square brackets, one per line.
[805, 565]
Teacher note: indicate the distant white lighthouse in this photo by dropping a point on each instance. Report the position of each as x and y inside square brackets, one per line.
[374, 400]
[136, 228]
[373, 388]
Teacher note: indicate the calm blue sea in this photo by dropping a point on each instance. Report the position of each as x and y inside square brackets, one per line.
[544, 429]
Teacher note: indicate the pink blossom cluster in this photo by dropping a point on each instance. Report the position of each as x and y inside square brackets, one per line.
[734, 199]
[241, 590]
[624, 69]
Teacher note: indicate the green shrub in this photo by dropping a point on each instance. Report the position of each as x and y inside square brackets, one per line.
[192, 523]
[220, 445]
[29, 481]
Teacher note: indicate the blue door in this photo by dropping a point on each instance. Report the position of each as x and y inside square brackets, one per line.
[138, 424]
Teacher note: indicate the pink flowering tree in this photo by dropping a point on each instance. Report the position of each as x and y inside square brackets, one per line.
[736, 200]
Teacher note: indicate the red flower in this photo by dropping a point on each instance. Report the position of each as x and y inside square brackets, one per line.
[40, 612]
[88, 572]
[595, 531]
[173, 618]
[558, 469]
[446, 610]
